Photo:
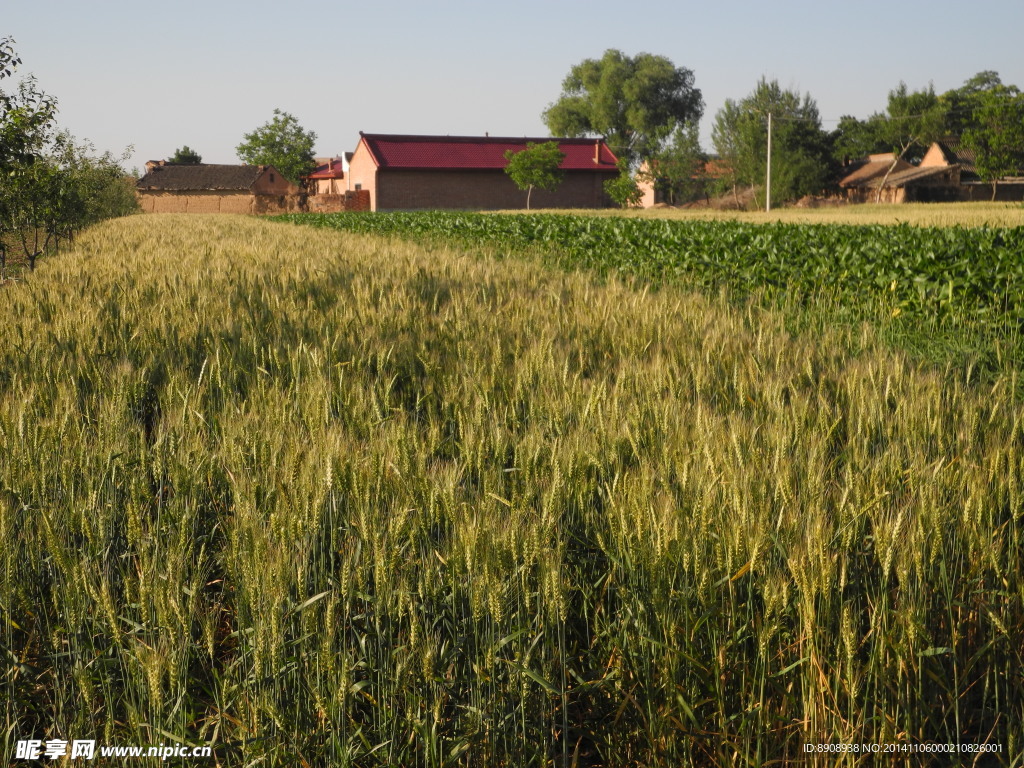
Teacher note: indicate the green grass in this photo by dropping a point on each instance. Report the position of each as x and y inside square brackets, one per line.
[323, 499]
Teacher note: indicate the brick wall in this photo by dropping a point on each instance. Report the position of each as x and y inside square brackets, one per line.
[482, 190]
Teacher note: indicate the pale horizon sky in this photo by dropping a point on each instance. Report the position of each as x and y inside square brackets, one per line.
[159, 75]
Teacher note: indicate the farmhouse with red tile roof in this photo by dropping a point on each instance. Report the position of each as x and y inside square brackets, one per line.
[328, 178]
[422, 172]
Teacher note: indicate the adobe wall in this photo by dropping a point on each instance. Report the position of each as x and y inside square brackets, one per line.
[213, 202]
[278, 204]
[483, 190]
[350, 201]
[933, 157]
[1006, 192]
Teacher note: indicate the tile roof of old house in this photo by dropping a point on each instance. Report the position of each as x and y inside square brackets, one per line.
[478, 152]
[874, 168]
[906, 176]
[959, 154]
[179, 178]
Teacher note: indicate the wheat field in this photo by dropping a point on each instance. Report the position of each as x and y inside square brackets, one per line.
[320, 499]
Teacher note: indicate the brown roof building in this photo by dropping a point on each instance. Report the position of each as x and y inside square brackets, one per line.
[947, 173]
[207, 188]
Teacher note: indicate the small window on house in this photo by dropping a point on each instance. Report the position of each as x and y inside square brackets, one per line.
[271, 178]
[358, 187]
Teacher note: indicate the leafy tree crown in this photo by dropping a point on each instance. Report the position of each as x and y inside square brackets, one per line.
[635, 102]
[185, 156]
[282, 143]
[539, 165]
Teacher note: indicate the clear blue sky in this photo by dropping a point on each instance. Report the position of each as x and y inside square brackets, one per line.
[158, 75]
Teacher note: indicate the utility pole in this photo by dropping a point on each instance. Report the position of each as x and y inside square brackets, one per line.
[768, 181]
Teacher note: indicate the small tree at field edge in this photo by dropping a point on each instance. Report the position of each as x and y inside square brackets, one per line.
[536, 166]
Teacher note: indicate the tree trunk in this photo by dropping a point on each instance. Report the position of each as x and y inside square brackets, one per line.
[529, 192]
[878, 197]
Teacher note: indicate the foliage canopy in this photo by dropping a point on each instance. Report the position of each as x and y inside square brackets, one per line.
[536, 166]
[997, 133]
[283, 143]
[50, 185]
[801, 156]
[677, 171]
[635, 102]
[185, 156]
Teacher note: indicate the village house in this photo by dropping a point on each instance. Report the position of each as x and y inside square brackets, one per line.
[947, 172]
[329, 176]
[328, 189]
[468, 172]
[207, 188]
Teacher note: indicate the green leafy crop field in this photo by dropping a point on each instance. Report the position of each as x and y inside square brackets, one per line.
[315, 498]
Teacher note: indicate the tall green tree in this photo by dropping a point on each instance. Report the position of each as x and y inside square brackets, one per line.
[282, 143]
[854, 139]
[185, 156]
[997, 133]
[27, 115]
[913, 120]
[801, 151]
[961, 103]
[635, 102]
[539, 165]
[50, 185]
[27, 123]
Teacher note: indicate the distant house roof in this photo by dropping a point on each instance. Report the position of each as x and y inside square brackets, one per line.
[162, 176]
[478, 153]
[874, 168]
[716, 168]
[910, 175]
[956, 153]
[332, 169]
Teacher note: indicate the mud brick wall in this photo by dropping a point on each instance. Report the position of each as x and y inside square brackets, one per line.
[325, 203]
[216, 202]
[353, 200]
[278, 203]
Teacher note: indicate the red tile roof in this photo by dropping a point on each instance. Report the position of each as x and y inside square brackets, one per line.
[332, 169]
[478, 152]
